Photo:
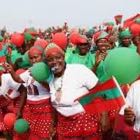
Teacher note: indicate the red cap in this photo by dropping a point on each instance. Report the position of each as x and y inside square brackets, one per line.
[74, 38]
[53, 48]
[100, 35]
[41, 42]
[82, 40]
[35, 50]
[17, 39]
[60, 39]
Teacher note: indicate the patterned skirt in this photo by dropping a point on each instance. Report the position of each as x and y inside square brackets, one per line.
[83, 124]
[4, 102]
[39, 114]
[3, 110]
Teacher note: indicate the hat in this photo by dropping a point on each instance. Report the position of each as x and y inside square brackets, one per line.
[17, 39]
[41, 42]
[82, 40]
[35, 50]
[60, 39]
[27, 36]
[52, 48]
[73, 38]
[100, 35]
[124, 34]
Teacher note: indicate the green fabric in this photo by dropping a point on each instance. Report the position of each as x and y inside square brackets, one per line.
[107, 94]
[15, 55]
[1, 68]
[100, 72]
[27, 36]
[25, 63]
[1, 38]
[75, 58]
[131, 46]
[4, 50]
[69, 52]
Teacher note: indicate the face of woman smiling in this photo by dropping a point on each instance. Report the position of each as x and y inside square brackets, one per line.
[35, 58]
[56, 63]
[102, 45]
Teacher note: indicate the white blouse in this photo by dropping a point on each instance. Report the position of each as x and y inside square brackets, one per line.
[75, 82]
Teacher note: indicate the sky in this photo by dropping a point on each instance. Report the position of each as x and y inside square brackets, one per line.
[18, 14]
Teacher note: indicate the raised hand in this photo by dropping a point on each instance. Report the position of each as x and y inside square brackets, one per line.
[129, 115]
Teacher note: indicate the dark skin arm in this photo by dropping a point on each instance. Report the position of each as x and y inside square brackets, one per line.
[23, 92]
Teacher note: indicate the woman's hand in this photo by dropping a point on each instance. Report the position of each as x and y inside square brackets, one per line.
[8, 67]
[129, 115]
[99, 57]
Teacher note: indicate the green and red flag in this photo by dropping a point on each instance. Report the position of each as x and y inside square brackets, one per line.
[103, 97]
[118, 19]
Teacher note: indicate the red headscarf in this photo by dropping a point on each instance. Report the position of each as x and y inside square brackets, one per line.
[35, 50]
[60, 39]
[100, 35]
[17, 39]
[74, 38]
[53, 48]
[41, 42]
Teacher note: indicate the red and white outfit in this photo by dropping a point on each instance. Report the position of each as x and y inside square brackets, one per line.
[133, 100]
[38, 110]
[73, 121]
[8, 92]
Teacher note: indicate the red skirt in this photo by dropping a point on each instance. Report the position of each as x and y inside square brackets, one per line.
[39, 114]
[122, 128]
[112, 116]
[83, 124]
[80, 138]
[4, 102]
[3, 110]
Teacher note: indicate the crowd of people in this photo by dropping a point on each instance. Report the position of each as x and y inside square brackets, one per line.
[75, 61]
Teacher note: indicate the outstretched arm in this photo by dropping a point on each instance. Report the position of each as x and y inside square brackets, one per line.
[23, 92]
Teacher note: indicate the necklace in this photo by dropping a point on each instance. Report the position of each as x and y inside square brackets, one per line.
[58, 83]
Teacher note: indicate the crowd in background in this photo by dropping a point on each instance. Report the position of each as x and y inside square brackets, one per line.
[74, 60]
